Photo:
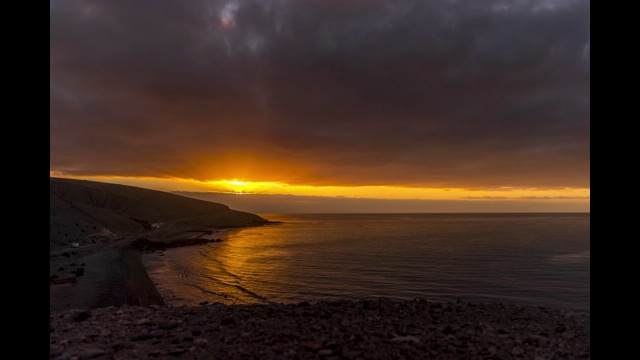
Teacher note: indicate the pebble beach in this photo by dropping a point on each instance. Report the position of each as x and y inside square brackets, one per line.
[368, 329]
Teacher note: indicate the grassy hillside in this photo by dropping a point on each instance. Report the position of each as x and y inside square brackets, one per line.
[93, 212]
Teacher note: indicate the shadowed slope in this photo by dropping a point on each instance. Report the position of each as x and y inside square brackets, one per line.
[90, 212]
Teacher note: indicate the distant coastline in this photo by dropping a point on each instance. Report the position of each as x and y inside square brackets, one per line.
[287, 204]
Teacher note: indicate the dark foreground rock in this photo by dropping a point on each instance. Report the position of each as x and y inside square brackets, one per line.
[374, 329]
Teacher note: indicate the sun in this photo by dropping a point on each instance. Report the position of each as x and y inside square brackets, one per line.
[237, 182]
[243, 187]
[238, 186]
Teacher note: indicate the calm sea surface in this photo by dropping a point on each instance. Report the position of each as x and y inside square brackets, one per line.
[532, 259]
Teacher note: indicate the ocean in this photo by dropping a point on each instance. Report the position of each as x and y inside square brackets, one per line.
[528, 259]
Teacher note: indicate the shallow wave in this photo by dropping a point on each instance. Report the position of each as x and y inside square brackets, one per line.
[534, 260]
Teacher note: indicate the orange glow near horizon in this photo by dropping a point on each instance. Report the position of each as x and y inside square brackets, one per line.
[245, 187]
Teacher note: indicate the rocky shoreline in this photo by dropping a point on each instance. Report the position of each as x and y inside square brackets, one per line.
[113, 310]
[367, 329]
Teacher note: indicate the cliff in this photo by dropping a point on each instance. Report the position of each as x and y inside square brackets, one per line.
[90, 212]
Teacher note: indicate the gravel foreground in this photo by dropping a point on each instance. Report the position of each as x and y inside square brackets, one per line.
[367, 329]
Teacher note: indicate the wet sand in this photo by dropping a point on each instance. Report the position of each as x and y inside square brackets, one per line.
[112, 277]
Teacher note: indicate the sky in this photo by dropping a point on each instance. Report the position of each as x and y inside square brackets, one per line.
[481, 104]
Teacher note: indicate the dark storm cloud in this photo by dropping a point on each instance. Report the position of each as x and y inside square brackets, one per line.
[421, 93]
